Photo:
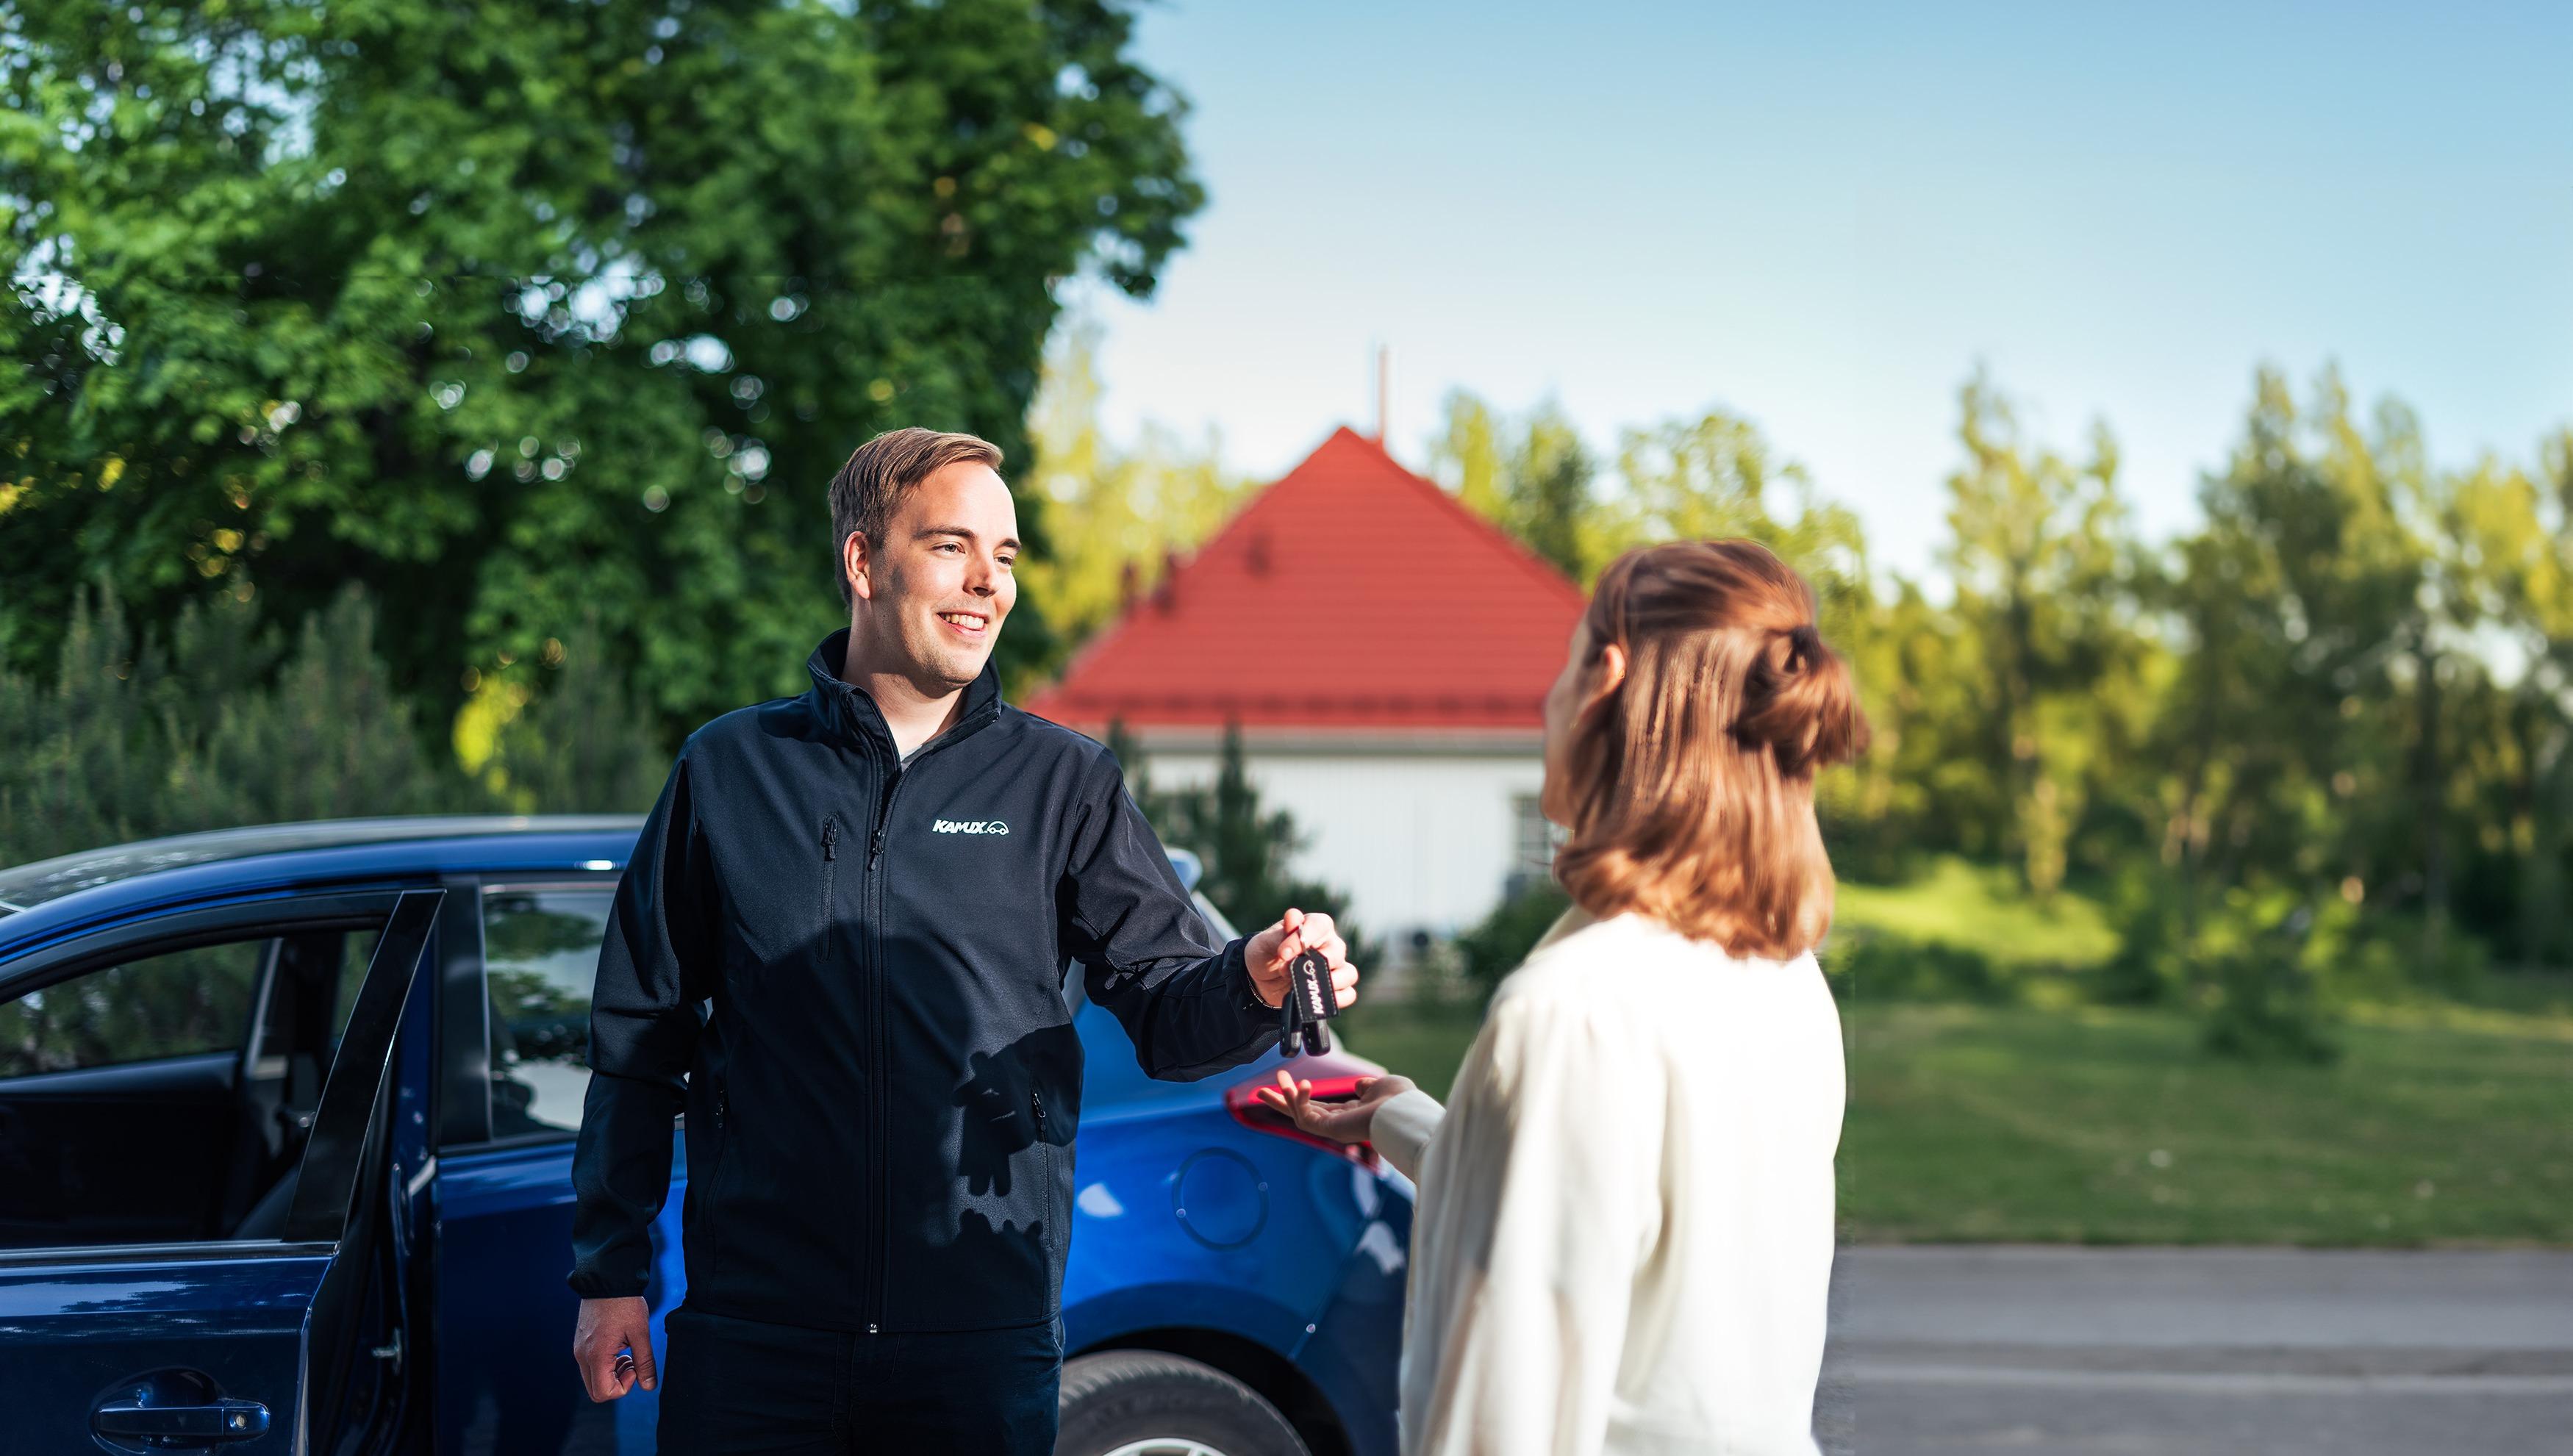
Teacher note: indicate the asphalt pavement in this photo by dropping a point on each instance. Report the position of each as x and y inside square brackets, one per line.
[1948, 1351]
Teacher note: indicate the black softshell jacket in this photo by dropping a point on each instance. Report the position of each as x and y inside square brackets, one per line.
[848, 972]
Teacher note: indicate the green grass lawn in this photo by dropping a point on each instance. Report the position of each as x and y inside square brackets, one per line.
[2113, 1126]
[1980, 908]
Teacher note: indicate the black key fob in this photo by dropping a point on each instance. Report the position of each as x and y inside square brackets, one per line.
[1308, 1003]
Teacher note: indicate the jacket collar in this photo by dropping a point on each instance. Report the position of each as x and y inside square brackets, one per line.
[854, 715]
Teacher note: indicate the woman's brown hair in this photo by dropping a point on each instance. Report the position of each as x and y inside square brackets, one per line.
[1691, 783]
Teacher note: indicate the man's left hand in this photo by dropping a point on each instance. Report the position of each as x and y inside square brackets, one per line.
[1273, 949]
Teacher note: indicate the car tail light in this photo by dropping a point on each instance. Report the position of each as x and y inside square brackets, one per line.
[1334, 1078]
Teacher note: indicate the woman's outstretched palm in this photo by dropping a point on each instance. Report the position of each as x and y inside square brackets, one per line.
[1350, 1122]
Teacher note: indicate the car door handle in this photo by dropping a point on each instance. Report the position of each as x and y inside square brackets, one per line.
[216, 1420]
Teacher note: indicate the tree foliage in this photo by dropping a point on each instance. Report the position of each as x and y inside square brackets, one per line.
[2037, 552]
[1125, 510]
[522, 313]
[139, 736]
[221, 723]
[1533, 477]
[2342, 700]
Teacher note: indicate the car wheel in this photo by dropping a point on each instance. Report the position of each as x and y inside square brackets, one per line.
[1146, 1403]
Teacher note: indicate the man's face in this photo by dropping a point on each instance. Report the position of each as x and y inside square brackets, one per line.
[939, 586]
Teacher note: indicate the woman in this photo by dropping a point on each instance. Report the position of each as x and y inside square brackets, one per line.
[1625, 1236]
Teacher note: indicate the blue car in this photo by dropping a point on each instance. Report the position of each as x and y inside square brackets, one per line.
[286, 1136]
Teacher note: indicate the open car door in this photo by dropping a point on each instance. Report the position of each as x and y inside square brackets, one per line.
[185, 1322]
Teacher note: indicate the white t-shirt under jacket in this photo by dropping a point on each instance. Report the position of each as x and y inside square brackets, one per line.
[1623, 1241]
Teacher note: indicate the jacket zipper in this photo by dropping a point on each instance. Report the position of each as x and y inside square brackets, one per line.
[871, 1301]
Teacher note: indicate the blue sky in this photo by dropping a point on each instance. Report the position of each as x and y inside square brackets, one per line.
[1823, 218]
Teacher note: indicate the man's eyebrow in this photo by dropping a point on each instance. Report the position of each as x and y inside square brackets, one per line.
[1007, 543]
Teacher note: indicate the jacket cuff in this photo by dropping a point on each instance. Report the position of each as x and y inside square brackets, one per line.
[591, 1284]
[1402, 1130]
[1236, 959]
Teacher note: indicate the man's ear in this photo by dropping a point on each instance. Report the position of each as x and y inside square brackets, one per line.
[853, 564]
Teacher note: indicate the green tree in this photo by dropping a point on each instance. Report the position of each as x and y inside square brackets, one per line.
[1467, 456]
[520, 311]
[1718, 475]
[1533, 477]
[134, 738]
[2506, 546]
[1549, 498]
[2036, 550]
[1493, 946]
[575, 744]
[1129, 509]
[2292, 606]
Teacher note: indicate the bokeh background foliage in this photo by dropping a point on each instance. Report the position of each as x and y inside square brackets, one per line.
[527, 314]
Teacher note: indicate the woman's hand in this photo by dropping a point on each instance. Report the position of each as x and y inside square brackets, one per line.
[1350, 1122]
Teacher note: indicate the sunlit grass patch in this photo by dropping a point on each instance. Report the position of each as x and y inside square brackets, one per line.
[1983, 909]
[2113, 1126]
[2108, 1126]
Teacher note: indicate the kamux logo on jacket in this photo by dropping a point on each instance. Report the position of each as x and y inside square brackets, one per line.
[968, 826]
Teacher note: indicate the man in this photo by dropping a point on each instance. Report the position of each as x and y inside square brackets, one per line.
[839, 950]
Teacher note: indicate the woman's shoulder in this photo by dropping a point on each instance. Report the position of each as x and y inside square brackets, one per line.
[1587, 959]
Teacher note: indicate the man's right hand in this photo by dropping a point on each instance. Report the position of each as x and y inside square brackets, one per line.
[609, 1330]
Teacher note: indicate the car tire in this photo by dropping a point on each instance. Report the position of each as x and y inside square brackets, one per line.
[1147, 1403]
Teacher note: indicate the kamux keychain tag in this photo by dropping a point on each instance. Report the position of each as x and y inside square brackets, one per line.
[1308, 1003]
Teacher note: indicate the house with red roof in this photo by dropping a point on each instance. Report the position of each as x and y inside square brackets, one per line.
[1386, 654]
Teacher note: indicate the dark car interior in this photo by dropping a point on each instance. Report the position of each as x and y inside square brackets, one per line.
[166, 1097]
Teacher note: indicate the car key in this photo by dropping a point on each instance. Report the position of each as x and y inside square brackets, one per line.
[1308, 1003]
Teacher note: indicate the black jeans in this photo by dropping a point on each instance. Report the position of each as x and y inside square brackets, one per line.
[738, 1385]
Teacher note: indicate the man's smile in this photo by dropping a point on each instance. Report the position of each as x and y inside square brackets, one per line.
[972, 626]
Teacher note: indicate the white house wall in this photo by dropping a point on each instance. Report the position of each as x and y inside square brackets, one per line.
[1416, 840]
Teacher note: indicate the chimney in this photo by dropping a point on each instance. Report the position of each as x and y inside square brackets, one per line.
[1130, 582]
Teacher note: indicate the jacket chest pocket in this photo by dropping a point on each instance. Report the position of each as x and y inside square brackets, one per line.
[714, 1185]
[791, 905]
[826, 907]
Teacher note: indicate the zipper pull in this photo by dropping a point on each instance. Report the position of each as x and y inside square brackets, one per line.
[1037, 1099]
[875, 850]
[719, 1108]
[831, 838]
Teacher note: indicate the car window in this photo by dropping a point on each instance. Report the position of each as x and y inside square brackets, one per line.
[178, 1004]
[139, 1102]
[357, 953]
[539, 959]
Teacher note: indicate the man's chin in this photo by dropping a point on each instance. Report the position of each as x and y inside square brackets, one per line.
[959, 669]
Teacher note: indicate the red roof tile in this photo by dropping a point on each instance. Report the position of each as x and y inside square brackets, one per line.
[1352, 594]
